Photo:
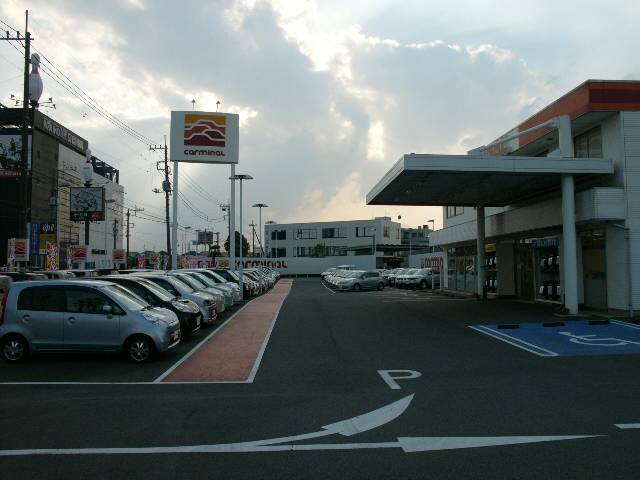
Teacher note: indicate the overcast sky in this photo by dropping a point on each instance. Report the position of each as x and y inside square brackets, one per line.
[330, 93]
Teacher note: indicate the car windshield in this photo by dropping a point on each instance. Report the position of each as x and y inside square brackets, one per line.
[355, 273]
[204, 279]
[192, 282]
[425, 271]
[179, 284]
[412, 271]
[218, 278]
[157, 290]
[125, 297]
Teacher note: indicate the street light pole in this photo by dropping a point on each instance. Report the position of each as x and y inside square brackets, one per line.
[240, 177]
[260, 206]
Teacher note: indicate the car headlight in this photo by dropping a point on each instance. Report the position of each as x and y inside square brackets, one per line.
[182, 307]
[206, 302]
[153, 318]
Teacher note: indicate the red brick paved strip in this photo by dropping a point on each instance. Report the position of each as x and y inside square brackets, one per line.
[229, 356]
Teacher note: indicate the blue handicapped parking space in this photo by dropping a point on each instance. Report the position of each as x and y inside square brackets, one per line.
[574, 337]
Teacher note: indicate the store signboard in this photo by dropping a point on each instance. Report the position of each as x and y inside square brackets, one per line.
[118, 255]
[140, 261]
[87, 203]
[204, 137]
[64, 135]
[11, 155]
[78, 253]
[46, 235]
[34, 237]
[546, 242]
[53, 256]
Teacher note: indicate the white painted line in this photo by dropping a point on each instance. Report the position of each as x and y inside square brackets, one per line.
[520, 343]
[407, 444]
[627, 426]
[626, 324]
[256, 365]
[322, 283]
[206, 339]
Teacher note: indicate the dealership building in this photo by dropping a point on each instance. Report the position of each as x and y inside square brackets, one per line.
[549, 212]
[56, 157]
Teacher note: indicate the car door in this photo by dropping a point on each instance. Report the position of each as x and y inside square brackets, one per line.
[86, 325]
[40, 310]
[373, 278]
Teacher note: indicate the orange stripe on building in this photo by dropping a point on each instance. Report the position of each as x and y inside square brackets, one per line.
[230, 355]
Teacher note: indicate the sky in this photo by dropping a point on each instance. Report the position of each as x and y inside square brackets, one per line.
[330, 94]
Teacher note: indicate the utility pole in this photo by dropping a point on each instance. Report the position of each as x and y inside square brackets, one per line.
[129, 226]
[166, 187]
[23, 202]
[253, 237]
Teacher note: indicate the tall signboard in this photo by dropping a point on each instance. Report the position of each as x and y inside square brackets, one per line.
[204, 137]
[87, 203]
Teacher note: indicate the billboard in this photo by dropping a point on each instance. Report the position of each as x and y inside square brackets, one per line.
[204, 137]
[11, 155]
[87, 203]
[205, 237]
[53, 256]
[118, 255]
[77, 253]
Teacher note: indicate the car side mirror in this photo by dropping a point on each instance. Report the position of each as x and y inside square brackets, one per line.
[107, 310]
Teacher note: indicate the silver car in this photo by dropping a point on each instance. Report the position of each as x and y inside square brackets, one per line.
[421, 278]
[361, 280]
[222, 300]
[208, 283]
[82, 315]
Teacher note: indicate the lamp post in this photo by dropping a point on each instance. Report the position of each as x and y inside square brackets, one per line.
[240, 177]
[185, 237]
[260, 206]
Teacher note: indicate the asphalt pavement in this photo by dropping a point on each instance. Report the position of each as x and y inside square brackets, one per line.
[322, 366]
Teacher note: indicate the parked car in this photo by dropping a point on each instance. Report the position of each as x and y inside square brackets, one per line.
[187, 311]
[84, 273]
[206, 302]
[358, 280]
[420, 278]
[250, 287]
[327, 272]
[59, 274]
[207, 284]
[72, 315]
[391, 279]
[24, 276]
[402, 279]
[214, 277]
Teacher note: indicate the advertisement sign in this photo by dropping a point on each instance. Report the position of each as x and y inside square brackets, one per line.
[11, 254]
[118, 255]
[47, 234]
[205, 137]
[11, 155]
[78, 253]
[86, 203]
[21, 249]
[140, 261]
[154, 260]
[52, 256]
[205, 237]
[56, 130]
[434, 261]
[34, 237]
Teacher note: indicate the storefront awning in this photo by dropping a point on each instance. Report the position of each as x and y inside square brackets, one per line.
[468, 180]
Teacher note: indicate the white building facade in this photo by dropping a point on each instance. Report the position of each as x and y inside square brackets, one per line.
[330, 239]
[523, 242]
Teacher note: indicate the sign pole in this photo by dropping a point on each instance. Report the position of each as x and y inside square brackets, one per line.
[232, 219]
[174, 229]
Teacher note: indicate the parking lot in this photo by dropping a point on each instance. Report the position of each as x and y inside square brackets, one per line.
[379, 384]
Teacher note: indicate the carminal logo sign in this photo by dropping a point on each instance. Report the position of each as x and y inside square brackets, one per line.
[204, 137]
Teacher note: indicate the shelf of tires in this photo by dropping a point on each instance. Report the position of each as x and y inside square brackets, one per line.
[549, 277]
[491, 272]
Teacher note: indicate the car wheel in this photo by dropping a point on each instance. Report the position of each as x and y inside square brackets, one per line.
[423, 284]
[381, 286]
[140, 349]
[356, 287]
[14, 349]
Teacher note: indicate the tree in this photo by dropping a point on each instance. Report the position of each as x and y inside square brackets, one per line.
[245, 245]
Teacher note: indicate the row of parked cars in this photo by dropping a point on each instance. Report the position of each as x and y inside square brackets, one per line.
[137, 312]
[348, 278]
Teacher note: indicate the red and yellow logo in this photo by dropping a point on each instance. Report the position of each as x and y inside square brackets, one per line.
[205, 130]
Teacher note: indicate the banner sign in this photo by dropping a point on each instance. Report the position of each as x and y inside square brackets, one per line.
[77, 253]
[117, 255]
[87, 203]
[140, 261]
[434, 261]
[21, 249]
[47, 235]
[204, 137]
[34, 237]
[154, 260]
[52, 256]
[56, 130]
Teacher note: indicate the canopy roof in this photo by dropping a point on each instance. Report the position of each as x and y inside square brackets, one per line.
[468, 180]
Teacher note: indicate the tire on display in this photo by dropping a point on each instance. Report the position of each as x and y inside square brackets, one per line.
[356, 287]
[139, 348]
[14, 348]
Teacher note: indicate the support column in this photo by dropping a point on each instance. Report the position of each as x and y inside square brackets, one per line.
[232, 220]
[569, 250]
[174, 226]
[480, 249]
